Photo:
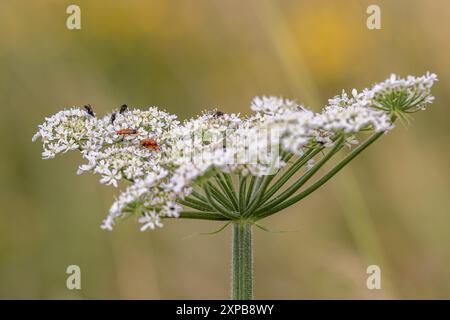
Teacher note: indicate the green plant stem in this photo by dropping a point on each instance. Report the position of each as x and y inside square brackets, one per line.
[242, 194]
[199, 196]
[200, 215]
[323, 180]
[290, 172]
[254, 203]
[219, 197]
[227, 189]
[300, 182]
[242, 261]
[217, 207]
[198, 205]
[229, 183]
[250, 190]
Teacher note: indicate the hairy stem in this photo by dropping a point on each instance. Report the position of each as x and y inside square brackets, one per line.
[242, 262]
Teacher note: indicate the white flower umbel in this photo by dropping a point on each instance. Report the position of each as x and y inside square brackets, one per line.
[220, 166]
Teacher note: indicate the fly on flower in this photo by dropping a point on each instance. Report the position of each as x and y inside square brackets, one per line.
[89, 110]
[123, 108]
[218, 114]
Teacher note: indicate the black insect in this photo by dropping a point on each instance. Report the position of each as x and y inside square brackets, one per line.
[113, 118]
[123, 108]
[89, 110]
[218, 114]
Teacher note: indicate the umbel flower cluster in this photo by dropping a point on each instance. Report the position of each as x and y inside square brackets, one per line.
[221, 166]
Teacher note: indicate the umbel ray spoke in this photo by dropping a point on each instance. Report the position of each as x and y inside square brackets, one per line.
[262, 214]
[300, 182]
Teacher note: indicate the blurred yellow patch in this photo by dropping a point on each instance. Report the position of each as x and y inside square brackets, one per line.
[329, 36]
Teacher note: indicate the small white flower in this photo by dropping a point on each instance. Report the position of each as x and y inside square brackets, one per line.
[150, 220]
[110, 177]
[172, 210]
[107, 224]
[272, 104]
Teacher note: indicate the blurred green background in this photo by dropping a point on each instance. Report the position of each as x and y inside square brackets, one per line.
[390, 207]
